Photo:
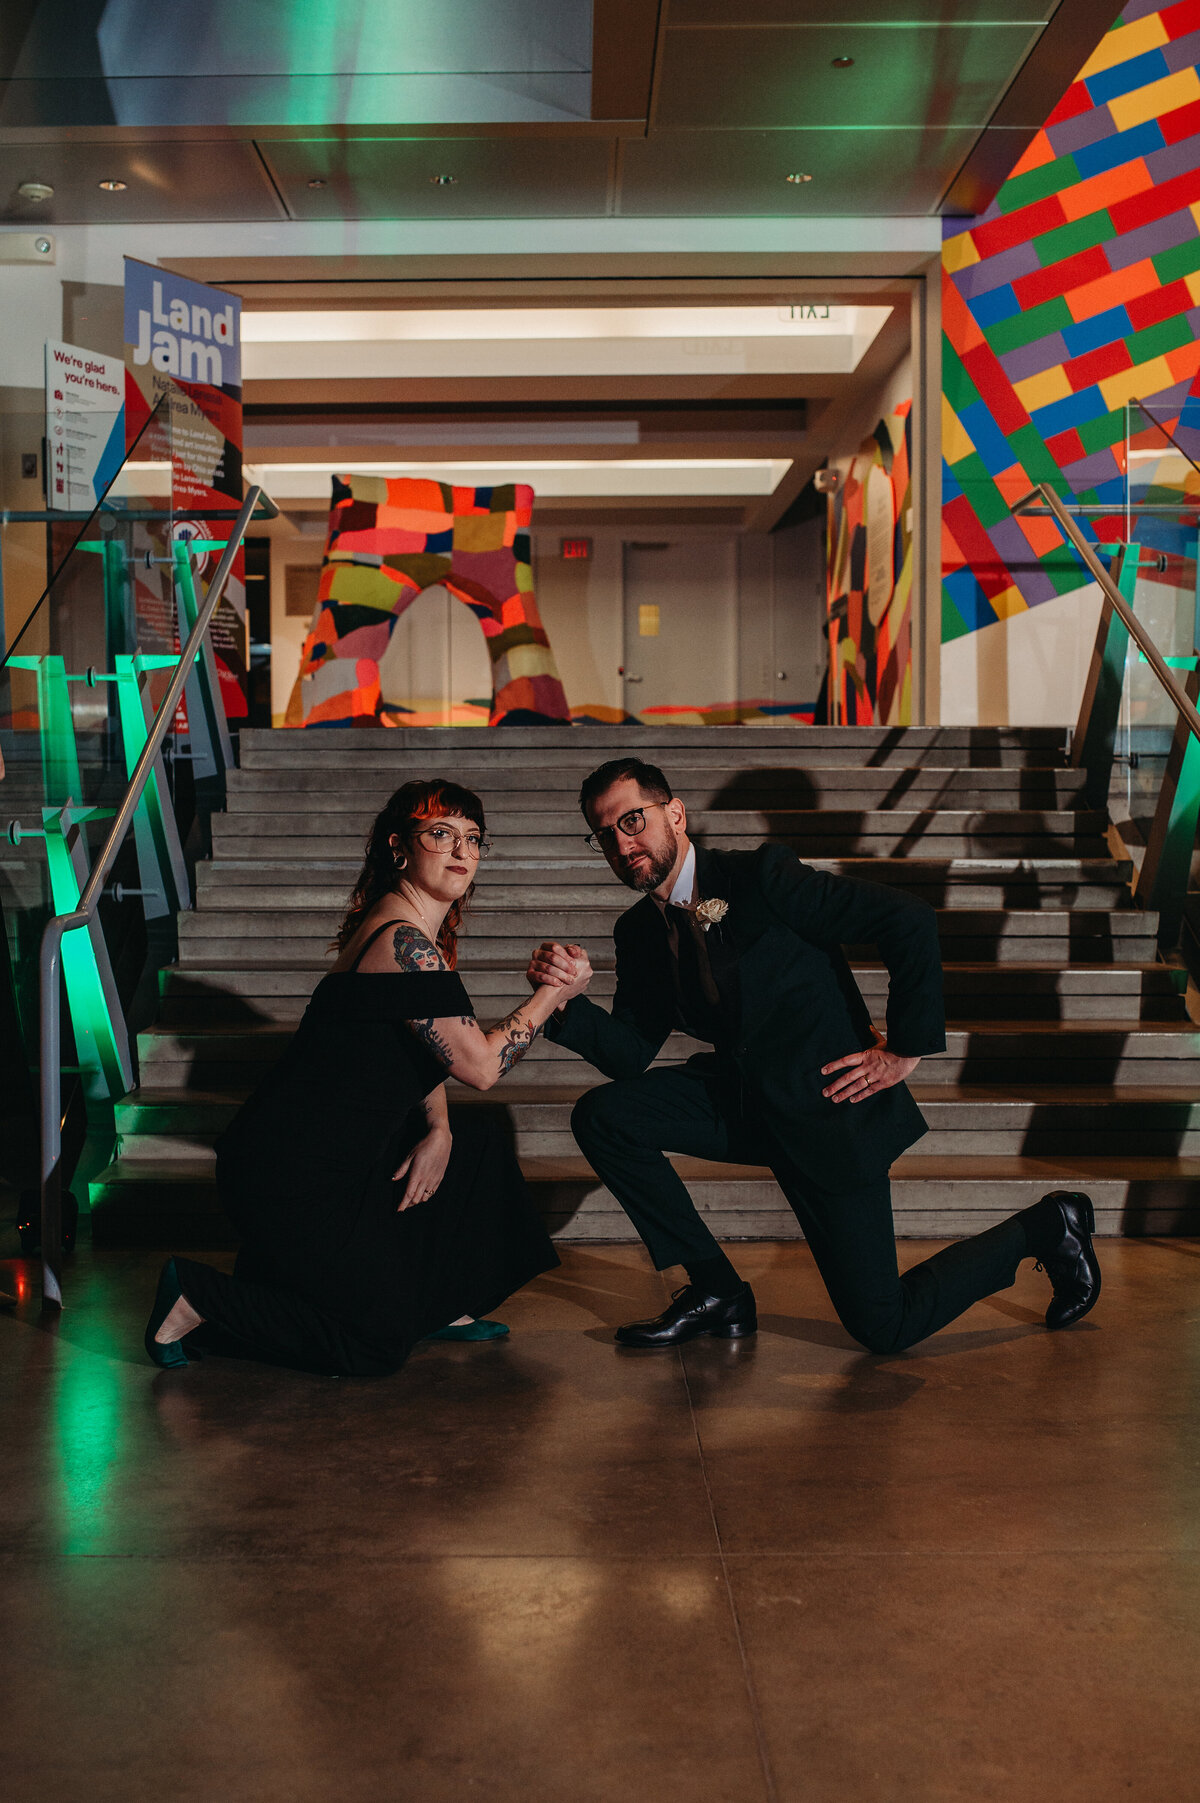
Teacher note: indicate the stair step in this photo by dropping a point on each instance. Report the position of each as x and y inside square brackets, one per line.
[993, 935]
[173, 1202]
[260, 876]
[264, 792]
[161, 1124]
[208, 993]
[798, 821]
[582, 747]
[994, 1052]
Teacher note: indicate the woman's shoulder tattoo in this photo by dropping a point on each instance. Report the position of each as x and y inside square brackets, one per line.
[413, 950]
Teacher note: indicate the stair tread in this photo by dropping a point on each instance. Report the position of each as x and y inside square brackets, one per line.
[1001, 1028]
[961, 1095]
[499, 966]
[541, 1167]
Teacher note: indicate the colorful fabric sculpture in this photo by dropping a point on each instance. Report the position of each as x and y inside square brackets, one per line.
[870, 571]
[391, 538]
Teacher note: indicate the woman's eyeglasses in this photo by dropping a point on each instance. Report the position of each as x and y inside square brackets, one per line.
[446, 841]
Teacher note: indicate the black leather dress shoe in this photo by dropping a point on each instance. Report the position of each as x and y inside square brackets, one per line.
[1062, 1225]
[692, 1313]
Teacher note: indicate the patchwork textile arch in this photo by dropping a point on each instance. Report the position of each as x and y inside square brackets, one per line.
[390, 538]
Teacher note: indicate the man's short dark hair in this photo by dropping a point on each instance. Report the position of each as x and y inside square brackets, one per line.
[648, 777]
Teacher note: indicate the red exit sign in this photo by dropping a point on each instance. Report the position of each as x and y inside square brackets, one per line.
[576, 548]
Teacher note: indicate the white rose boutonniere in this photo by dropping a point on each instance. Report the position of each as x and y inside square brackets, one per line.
[711, 913]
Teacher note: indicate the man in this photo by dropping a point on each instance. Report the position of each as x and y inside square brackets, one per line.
[744, 950]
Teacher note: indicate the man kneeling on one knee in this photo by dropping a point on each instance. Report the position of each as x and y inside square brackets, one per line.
[743, 950]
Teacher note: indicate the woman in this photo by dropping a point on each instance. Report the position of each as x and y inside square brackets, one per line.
[366, 1226]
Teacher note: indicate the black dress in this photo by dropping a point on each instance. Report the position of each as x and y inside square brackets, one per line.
[330, 1277]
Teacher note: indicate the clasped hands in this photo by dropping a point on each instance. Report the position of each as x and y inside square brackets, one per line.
[565, 967]
[864, 1074]
[557, 966]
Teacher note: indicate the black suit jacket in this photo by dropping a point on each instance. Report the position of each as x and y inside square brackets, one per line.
[789, 1003]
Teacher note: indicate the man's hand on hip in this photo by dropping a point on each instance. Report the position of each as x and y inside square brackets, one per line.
[863, 1074]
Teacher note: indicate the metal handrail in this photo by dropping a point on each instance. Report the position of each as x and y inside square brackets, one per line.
[50, 957]
[1185, 708]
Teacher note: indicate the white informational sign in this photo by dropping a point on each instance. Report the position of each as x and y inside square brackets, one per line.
[85, 425]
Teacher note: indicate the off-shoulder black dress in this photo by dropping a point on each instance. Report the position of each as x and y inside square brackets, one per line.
[330, 1277]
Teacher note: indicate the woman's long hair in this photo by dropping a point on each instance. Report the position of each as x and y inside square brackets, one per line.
[411, 807]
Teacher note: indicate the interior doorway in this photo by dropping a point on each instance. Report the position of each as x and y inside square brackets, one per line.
[680, 624]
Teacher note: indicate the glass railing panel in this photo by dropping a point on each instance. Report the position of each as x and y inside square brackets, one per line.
[1162, 516]
[1164, 598]
[68, 616]
[96, 599]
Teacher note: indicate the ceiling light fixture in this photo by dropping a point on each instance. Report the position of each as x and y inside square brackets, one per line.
[443, 181]
[843, 62]
[318, 181]
[36, 191]
[113, 187]
[797, 178]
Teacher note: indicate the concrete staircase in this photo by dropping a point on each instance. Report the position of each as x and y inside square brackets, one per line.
[1071, 1060]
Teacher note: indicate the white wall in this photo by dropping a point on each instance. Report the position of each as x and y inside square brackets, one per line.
[1025, 671]
[288, 631]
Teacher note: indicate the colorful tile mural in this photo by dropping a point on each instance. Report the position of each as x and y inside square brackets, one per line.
[1077, 291]
[869, 569]
[390, 538]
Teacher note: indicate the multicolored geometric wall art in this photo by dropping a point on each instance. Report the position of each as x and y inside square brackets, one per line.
[1076, 291]
[388, 540]
[869, 573]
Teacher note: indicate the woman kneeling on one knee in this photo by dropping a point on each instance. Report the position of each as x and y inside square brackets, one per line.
[366, 1223]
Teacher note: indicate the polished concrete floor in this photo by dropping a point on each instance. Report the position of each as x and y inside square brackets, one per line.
[551, 1571]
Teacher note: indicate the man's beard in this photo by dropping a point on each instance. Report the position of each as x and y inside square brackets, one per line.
[655, 873]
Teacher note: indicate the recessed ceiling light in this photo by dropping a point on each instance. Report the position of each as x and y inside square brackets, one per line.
[798, 178]
[443, 181]
[318, 181]
[843, 62]
[113, 187]
[36, 191]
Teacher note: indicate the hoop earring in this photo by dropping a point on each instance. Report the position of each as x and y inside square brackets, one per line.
[399, 863]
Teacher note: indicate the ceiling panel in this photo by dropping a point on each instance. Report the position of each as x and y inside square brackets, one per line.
[494, 178]
[165, 182]
[216, 62]
[905, 75]
[875, 173]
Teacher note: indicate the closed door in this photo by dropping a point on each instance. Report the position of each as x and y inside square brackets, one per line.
[681, 614]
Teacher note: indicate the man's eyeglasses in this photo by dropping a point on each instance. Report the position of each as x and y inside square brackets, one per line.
[633, 825]
[445, 840]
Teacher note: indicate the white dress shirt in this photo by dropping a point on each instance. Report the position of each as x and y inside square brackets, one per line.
[683, 893]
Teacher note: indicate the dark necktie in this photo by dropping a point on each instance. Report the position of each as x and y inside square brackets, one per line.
[699, 997]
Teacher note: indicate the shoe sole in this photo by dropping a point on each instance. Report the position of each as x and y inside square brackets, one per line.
[736, 1330]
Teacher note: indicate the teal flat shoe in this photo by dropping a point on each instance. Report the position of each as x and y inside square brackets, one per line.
[170, 1357]
[471, 1330]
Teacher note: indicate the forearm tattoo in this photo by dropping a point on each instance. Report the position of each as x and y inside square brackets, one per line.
[428, 1031]
[519, 1035]
[435, 1115]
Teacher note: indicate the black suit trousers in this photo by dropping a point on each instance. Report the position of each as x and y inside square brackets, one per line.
[626, 1128]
